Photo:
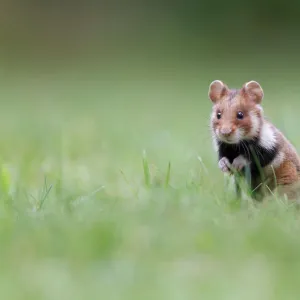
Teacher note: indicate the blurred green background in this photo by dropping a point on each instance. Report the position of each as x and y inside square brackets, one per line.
[86, 88]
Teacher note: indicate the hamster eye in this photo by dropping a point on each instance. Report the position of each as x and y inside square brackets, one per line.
[240, 115]
[218, 115]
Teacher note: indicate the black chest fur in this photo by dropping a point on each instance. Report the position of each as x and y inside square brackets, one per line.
[257, 155]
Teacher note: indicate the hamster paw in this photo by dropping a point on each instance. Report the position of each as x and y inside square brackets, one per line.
[224, 165]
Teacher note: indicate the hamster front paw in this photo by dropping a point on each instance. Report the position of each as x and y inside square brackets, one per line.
[239, 163]
[224, 165]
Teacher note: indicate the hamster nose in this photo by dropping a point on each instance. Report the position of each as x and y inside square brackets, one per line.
[226, 131]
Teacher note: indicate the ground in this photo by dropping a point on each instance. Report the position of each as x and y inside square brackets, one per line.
[80, 219]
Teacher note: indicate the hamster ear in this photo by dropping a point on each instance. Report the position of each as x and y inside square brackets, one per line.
[253, 91]
[217, 90]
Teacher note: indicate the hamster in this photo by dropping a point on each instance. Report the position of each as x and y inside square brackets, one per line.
[245, 140]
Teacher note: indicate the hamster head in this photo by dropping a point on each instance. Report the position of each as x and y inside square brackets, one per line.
[236, 114]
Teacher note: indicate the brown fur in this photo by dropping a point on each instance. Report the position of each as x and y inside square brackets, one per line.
[283, 173]
[229, 107]
[288, 173]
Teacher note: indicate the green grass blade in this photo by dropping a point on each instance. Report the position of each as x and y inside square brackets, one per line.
[46, 192]
[167, 181]
[146, 170]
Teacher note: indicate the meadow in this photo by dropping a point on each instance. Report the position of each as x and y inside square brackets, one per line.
[80, 217]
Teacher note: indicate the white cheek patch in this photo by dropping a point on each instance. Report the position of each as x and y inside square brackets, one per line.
[212, 117]
[267, 137]
[255, 122]
[214, 133]
[239, 135]
[215, 143]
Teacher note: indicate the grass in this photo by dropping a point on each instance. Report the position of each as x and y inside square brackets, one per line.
[110, 189]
